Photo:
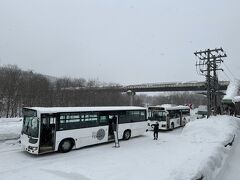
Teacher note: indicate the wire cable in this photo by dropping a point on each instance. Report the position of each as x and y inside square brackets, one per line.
[229, 70]
[227, 76]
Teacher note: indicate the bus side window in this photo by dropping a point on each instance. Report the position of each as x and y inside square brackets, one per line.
[171, 114]
[124, 117]
[142, 116]
[129, 116]
[137, 116]
[103, 120]
[177, 114]
[186, 112]
[69, 121]
[89, 120]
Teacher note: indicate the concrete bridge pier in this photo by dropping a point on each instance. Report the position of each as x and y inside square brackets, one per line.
[131, 95]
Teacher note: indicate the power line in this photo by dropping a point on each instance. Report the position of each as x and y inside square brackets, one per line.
[229, 70]
[227, 76]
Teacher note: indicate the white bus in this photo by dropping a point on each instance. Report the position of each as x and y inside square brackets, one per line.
[168, 117]
[64, 128]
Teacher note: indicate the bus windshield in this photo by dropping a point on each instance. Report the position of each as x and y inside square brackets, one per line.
[30, 124]
[157, 116]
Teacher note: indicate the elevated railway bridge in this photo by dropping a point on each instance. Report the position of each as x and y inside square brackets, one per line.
[131, 90]
[155, 87]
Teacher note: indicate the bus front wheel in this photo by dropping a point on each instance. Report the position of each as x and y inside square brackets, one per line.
[127, 135]
[172, 126]
[66, 145]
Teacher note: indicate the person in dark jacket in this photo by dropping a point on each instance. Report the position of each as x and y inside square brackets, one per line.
[155, 130]
[114, 123]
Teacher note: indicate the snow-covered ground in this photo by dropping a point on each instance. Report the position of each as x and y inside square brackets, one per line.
[231, 168]
[10, 128]
[183, 154]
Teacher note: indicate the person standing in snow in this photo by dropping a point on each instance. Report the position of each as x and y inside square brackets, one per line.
[155, 130]
[114, 123]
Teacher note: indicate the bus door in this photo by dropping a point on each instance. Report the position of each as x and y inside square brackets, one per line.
[182, 119]
[175, 119]
[112, 125]
[168, 119]
[185, 114]
[104, 123]
[47, 133]
[178, 118]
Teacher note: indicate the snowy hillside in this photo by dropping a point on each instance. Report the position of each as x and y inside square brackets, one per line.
[197, 150]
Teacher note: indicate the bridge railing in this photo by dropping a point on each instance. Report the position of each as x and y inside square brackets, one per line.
[177, 86]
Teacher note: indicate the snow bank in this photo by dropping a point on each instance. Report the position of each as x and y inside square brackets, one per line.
[9, 120]
[210, 136]
[10, 128]
[236, 99]
[232, 90]
[209, 130]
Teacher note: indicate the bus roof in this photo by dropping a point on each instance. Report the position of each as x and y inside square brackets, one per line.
[168, 108]
[83, 109]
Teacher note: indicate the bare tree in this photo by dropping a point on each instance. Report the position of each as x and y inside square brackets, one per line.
[25, 88]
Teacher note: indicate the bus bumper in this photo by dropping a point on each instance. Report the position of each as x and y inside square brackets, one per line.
[26, 146]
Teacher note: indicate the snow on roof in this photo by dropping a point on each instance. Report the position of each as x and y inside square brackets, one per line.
[84, 109]
[236, 99]
[169, 107]
[177, 107]
[232, 89]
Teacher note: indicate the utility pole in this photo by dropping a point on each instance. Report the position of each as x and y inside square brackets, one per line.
[208, 64]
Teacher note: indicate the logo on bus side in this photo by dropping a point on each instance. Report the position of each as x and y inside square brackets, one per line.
[100, 134]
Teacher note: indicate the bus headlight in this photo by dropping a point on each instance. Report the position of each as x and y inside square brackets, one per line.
[32, 148]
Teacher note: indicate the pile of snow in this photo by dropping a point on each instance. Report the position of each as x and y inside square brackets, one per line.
[193, 112]
[10, 128]
[210, 136]
[232, 90]
[236, 99]
[9, 120]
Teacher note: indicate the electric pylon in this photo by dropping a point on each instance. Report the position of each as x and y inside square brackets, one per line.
[208, 64]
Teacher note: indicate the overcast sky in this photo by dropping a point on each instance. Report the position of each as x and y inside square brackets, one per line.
[121, 41]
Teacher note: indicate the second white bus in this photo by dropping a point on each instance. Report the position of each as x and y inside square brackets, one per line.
[168, 117]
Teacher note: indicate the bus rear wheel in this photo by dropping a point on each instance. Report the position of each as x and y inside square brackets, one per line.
[66, 145]
[127, 135]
